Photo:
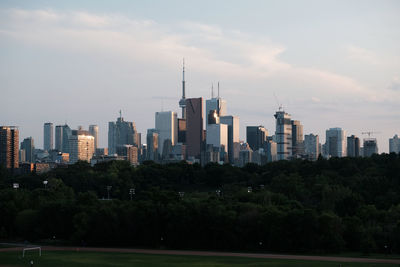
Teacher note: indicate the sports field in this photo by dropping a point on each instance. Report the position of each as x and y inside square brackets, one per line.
[99, 259]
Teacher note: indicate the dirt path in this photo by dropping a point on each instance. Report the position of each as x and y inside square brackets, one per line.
[210, 253]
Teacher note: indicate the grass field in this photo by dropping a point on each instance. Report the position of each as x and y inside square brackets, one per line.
[103, 259]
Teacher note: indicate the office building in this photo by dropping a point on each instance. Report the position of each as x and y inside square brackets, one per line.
[9, 147]
[353, 146]
[336, 143]
[48, 136]
[394, 144]
[152, 145]
[370, 146]
[272, 154]
[245, 154]
[129, 152]
[194, 127]
[81, 146]
[215, 103]
[62, 134]
[297, 139]
[182, 131]
[121, 133]
[94, 131]
[28, 146]
[283, 135]
[166, 124]
[233, 136]
[59, 138]
[217, 136]
[256, 137]
[312, 146]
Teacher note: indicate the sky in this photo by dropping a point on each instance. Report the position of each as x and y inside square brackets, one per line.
[328, 63]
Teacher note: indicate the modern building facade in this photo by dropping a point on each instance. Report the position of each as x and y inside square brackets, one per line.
[121, 133]
[9, 147]
[353, 146]
[28, 146]
[394, 144]
[297, 139]
[194, 127]
[233, 136]
[283, 135]
[81, 146]
[370, 146]
[152, 145]
[336, 142]
[59, 137]
[312, 147]
[256, 137]
[48, 136]
[94, 131]
[167, 128]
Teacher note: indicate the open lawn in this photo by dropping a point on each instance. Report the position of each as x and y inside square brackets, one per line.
[99, 259]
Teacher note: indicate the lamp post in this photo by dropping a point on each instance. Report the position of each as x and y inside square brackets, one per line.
[108, 191]
[15, 185]
[131, 192]
[45, 182]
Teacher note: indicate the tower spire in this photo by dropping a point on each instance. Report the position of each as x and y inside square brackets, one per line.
[182, 102]
[212, 90]
[218, 89]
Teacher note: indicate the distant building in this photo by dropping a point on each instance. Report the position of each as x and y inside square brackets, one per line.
[283, 135]
[9, 147]
[353, 146]
[48, 136]
[166, 124]
[297, 139]
[152, 145]
[66, 132]
[336, 142]
[256, 136]
[312, 146]
[245, 154]
[129, 152]
[217, 137]
[394, 144]
[272, 153]
[194, 127]
[29, 148]
[22, 157]
[121, 133]
[182, 131]
[94, 131]
[370, 147]
[233, 136]
[81, 146]
[101, 151]
[59, 137]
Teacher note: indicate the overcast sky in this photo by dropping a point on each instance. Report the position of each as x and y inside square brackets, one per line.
[329, 63]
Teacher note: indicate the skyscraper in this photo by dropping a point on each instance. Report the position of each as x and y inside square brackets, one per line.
[283, 135]
[66, 132]
[353, 146]
[394, 144]
[256, 137]
[233, 136]
[48, 136]
[121, 133]
[311, 145]
[59, 137]
[215, 103]
[297, 139]
[94, 131]
[81, 146]
[370, 147]
[9, 147]
[336, 142]
[167, 127]
[152, 144]
[29, 147]
[194, 127]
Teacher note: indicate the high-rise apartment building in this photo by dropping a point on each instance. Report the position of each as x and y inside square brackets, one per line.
[297, 139]
[394, 144]
[194, 127]
[370, 146]
[94, 131]
[167, 127]
[121, 133]
[283, 135]
[311, 146]
[81, 146]
[353, 146]
[233, 136]
[28, 146]
[256, 137]
[336, 142]
[9, 147]
[48, 136]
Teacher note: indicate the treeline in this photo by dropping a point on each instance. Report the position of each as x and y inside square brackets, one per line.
[341, 204]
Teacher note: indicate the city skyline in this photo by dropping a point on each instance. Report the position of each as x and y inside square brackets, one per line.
[60, 65]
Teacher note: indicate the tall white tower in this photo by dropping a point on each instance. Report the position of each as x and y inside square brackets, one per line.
[283, 135]
[182, 102]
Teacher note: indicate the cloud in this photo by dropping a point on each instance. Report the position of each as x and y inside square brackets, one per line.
[395, 84]
[362, 54]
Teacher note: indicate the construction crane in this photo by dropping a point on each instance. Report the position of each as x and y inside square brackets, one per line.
[370, 133]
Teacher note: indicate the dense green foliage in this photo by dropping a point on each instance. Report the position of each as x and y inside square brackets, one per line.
[341, 204]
